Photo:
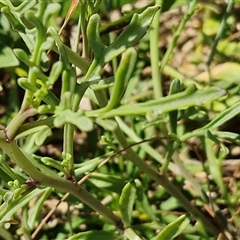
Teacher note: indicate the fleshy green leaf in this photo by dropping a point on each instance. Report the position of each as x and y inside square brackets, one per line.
[36, 209]
[136, 29]
[87, 166]
[234, 137]
[42, 135]
[224, 116]
[53, 163]
[15, 205]
[94, 234]
[173, 229]
[126, 202]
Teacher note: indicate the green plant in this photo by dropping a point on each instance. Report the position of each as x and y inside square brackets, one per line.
[44, 115]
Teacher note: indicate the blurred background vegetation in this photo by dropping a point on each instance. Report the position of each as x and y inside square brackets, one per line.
[207, 53]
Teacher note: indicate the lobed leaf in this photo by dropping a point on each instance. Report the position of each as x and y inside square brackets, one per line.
[136, 29]
[190, 97]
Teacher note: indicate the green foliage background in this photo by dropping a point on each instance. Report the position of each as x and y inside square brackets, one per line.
[120, 123]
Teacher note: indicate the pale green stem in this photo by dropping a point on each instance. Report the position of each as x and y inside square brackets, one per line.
[114, 61]
[68, 137]
[25, 111]
[215, 166]
[154, 52]
[191, 8]
[173, 72]
[68, 132]
[36, 55]
[85, 44]
[220, 31]
[76, 44]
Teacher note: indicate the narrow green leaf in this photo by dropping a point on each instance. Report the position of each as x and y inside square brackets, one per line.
[24, 6]
[8, 173]
[42, 135]
[175, 87]
[53, 163]
[217, 141]
[13, 17]
[51, 99]
[94, 37]
[143, 201]
[224, 116]
[24, 83]
[123, 75]
[173, 229]
[74, 58]
[215, 166]
[87, 166]
[234, 137]
[107, 181]
[61, 49]
[19, 203]
[94, 234]
[56, 71]
[8, 197]
[126, 202]
[5, 233]
[36, 209]
[22, 55]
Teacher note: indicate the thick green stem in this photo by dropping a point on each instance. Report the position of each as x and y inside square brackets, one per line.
[68, 148]
[13, 151]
